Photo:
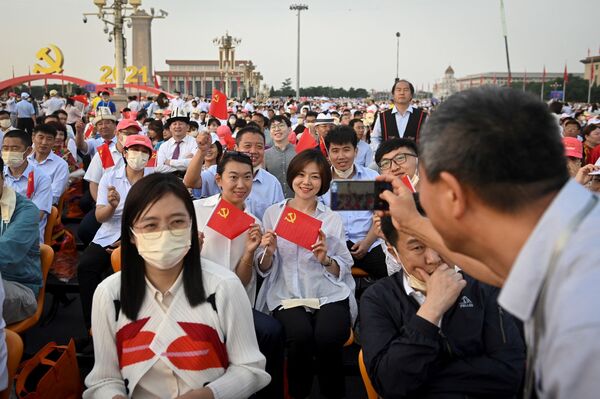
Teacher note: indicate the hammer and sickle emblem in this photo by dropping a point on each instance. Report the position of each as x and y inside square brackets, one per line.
[224, 212]
[55, 64]
[291, 217]
[216, 98]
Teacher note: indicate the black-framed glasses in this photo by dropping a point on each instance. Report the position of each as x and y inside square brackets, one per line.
[398, 160]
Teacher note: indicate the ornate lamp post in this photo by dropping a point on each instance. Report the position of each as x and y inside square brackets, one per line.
[226, 56]
[298, 8]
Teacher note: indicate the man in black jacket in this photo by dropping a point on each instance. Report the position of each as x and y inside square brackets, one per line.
[431, 332]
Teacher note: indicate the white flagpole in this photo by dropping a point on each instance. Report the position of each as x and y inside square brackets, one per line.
[274, 228]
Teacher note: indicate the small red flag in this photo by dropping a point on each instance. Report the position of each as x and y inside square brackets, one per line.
[156, 84]
[306, 142]
[88, 132]
[81, 98]
[105, 156]
[566, 75]
[228, 220]
[30, 184]
[323, 147]
[152, 161]
[298, 227]
[408, 183]
[218, 105]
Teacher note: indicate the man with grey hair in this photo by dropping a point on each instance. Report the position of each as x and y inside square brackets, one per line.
[495, 186]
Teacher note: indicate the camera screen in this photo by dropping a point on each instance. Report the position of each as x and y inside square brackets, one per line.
[356, 195]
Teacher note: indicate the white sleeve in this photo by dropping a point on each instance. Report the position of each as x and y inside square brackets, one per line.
[102, 196]
[105, 380]
[245, 374]
[94, 172]
[60, 182]
[376, 134]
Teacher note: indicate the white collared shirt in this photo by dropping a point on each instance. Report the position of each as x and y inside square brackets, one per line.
[93, 143]
[56, 169]
[219, 248]
[110, 231]
[401, 123]
[95, 171]
[566, 365]
[187, 149]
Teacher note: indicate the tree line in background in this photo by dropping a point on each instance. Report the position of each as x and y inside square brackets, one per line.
[317, 91]
[577, 89]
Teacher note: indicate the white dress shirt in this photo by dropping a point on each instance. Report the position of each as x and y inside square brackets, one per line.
[57, 170]
[187, 149]
[401, 123]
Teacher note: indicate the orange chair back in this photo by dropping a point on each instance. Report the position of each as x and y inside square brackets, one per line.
[115, 260]
[359, 273]
[371, 394]
[14, 345]
[52, 220]
[46, 257]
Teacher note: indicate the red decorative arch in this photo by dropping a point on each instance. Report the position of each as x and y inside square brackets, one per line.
[19, 80]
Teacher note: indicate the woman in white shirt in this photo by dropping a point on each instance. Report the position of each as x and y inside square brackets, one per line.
[317, 323]
[170, 325]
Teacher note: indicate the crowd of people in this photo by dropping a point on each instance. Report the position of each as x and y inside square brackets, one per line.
[495, 264]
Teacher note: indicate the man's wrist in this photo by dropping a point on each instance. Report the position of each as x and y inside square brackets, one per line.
[328, 262]
[429, 314]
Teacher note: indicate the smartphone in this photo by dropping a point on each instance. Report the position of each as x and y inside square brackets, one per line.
[358, 195]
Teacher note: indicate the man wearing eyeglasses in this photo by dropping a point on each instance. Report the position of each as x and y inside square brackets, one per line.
[398, 158]
[278, 157]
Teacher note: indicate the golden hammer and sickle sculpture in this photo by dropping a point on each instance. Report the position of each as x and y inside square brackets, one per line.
[54, 64]
[224, 212]
[291, 217]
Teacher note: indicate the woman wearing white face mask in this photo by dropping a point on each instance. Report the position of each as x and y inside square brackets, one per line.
[113, 189]
[170, 324]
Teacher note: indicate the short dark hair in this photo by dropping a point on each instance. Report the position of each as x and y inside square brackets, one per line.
[53, 116]
[389, 231]
[249, 129]
[213, 120]
[141, 196]
[4, 112]
[502, 143]
[392, 145]
[59, 112]
[410, 86]
[341, 135]
[45, 129]
[19, 134]
[280, 119]
[233, 156]
[58, 126]
[589, 129]
[312, 113]
[354, 122]
[304, 158]
[571, 121]
[193, 124]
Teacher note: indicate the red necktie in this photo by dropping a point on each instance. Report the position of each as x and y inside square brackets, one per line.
[177, 150]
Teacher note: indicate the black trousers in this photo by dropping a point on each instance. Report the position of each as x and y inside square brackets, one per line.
[93, 266]
[271, 342]
[88, 227]
[315, 343]
[373, 262]
[25, 124]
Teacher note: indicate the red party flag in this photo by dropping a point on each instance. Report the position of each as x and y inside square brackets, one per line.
[30, 184]
[105, 156]
[306, 142]
[298, 227]
[406, 180]
[81, 98]
[88, 132]
[152, 161]
[228, 220]
[218, 105]
[566, 75]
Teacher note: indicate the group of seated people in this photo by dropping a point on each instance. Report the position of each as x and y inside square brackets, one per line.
[196, 314]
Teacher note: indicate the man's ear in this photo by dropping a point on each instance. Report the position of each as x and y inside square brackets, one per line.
[453, 194]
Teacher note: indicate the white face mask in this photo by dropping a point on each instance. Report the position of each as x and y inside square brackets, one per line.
[166, 251]
[412, 280]
[123, 140]
[5, 124]
[344, 174]
[13, 159]
[137, 160]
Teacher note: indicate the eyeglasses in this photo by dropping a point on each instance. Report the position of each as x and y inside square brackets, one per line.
[277, 126]
[398, 160]
[153, 231]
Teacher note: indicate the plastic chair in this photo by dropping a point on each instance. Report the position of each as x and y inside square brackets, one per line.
[115, 259]
[350, 340]
[52, 221]
[60, 207]
[371, 394]
[14, 345]
[46, 257]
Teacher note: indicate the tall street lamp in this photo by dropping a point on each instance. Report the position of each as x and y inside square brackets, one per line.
[114, 15]
[226, 56]
[397, 55]
[298, 8]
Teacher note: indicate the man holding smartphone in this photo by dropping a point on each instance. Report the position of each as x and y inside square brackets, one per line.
[361, 236]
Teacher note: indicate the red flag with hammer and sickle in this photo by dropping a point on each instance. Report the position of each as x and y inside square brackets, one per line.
[228, 220]
[298, 227]
[30, 184]
[218, 105]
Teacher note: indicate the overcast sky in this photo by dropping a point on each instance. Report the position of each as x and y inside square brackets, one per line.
[344, 43]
